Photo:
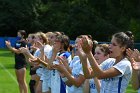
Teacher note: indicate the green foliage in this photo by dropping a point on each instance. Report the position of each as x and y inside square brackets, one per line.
[100, 18]
[135, 27]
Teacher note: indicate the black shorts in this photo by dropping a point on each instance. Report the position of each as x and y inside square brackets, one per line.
[32, 71]
[19, 66]
[20, 61]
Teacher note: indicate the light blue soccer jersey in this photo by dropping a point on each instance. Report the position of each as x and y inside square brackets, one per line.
[46, 74]
[92, 86]
[37, 53]
[57, 85]
[117, 84]
[76, 71]
[139, 90]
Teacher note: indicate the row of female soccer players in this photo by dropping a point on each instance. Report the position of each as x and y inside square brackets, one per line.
[54, 70]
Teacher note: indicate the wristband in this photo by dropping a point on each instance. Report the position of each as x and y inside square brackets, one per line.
[65, 79]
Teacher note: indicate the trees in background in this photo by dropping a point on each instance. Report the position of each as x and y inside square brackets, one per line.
[100, 18]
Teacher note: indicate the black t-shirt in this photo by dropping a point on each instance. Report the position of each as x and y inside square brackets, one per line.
[20, 58]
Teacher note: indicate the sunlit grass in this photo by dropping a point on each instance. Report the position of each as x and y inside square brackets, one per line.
[8, 83]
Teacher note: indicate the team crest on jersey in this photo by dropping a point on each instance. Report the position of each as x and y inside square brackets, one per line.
[18, 45]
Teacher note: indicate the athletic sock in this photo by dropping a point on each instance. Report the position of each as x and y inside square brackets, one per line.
[32, 85]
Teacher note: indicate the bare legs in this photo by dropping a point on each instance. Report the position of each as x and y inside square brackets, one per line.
[21, 78]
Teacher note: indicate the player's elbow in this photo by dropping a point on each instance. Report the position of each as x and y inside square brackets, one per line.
[17, 51]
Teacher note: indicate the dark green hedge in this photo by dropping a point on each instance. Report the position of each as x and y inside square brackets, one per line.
[100, 18]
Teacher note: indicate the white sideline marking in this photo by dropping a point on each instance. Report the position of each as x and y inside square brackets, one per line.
[9, 73]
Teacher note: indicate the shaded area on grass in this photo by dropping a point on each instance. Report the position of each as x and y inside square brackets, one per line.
[8, 54]
[8, 66]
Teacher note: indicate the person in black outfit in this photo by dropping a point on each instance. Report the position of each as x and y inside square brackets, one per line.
[20, 61]
[32, 83]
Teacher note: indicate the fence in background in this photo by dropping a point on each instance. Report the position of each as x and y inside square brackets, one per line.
[13, 40]
[3, 39]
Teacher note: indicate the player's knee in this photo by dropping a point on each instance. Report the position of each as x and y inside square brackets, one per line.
[20, 81]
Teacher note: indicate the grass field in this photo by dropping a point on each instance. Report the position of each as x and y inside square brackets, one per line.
[8, 83]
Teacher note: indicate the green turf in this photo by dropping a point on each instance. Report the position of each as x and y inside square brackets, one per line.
[7, 83]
